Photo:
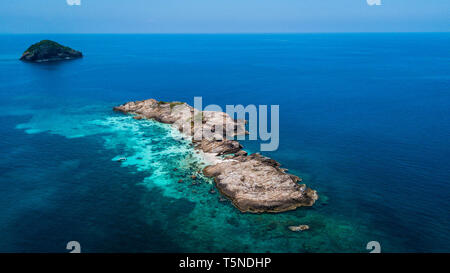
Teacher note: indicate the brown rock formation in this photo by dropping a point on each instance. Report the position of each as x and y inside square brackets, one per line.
[298, 228]
[254, 183]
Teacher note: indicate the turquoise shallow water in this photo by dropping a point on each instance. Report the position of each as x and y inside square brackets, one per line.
[364, 120]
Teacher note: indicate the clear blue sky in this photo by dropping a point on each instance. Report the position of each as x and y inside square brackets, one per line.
[218, 16]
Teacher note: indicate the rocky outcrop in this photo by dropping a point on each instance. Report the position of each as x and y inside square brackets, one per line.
[254, 183]
[298, 228]
[46, 51]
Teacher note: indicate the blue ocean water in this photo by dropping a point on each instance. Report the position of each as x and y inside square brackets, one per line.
[365, 120]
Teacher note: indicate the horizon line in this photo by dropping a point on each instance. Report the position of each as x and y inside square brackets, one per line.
[214, 33]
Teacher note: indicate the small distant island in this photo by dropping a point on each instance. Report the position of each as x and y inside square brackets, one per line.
[48, 51]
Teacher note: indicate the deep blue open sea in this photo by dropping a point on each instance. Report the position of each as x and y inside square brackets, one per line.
[365, 120]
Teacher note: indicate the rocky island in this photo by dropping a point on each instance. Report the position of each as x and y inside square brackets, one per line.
[47, 51]
[254, 183]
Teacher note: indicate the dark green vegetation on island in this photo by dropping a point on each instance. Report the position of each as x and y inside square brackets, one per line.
[172, 104]
[47, 50]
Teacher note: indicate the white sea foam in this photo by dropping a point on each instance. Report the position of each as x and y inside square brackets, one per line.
[148, 146]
